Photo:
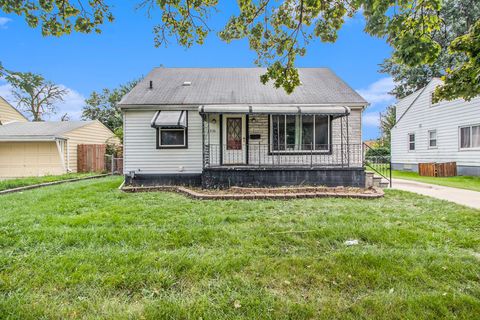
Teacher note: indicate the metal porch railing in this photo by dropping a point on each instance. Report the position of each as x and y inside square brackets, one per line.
[379, 163]
[269, 155]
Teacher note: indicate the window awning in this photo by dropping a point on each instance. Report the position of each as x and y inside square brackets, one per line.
[277, 109]
[169, 119]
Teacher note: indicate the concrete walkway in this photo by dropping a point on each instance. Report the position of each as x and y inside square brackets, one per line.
[464, 197]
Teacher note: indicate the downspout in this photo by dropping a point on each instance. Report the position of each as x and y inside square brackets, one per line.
[60, 153]
[124, 150]
[68, 156]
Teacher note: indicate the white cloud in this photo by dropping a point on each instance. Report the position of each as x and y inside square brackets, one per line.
[3, 22]
[72, 103]
[377, 93]
[371, 119]
[5, 92]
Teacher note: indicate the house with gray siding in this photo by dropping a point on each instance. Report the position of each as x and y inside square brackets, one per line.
[219, 127]
[448, 131]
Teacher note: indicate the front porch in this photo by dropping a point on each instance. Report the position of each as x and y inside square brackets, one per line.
[284, 146]
[303, 137]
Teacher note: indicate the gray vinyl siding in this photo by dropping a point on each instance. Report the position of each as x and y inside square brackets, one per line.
[445, 118]
[403, 104]
[142, 156]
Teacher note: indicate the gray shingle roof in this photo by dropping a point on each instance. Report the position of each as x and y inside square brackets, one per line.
[39, 130]
[237, 86]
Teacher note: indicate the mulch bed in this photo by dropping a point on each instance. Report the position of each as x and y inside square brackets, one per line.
[283, 193]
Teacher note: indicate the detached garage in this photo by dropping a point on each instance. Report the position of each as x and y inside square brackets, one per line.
[46, 148]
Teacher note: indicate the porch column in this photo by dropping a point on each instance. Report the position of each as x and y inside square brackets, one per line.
[203, 140]
[341, 140]
[348, 141]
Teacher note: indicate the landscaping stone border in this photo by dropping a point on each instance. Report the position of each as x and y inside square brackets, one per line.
[46, 184]
[261, 193]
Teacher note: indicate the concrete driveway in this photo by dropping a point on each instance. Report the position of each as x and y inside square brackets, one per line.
[464, 197]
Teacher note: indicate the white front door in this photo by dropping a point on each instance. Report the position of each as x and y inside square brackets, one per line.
[234, 139]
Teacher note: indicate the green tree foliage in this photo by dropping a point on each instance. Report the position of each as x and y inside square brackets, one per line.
[387, 121]
[102, 106]
[457, 17]
[378, 152]
[56, 18]
[35, 95]
[464, 79]
[278, 31]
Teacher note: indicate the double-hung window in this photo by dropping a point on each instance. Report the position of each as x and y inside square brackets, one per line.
[432, 139]
[470, 137]
[297, 133]
[411, 141]
[172, 137]
[171, 129]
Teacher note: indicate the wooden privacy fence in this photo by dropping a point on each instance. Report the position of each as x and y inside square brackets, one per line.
[447, 169]
[91, 157]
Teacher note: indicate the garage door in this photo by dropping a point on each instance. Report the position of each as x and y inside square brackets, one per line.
[25, 159]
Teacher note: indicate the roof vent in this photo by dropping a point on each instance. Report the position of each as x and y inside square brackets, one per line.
[187, 83]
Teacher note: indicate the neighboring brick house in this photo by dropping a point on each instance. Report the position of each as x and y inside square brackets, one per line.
[222, 127]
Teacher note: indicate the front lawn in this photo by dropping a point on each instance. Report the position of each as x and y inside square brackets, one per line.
[462, 182]
[86, 250]
[28, 181]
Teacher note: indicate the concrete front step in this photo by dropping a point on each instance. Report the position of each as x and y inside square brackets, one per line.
[384, 184]
[374, 180]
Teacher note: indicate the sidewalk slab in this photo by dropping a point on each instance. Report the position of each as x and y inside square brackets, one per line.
[464, 197]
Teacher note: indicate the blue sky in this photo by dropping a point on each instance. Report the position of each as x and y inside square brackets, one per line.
[125, 51]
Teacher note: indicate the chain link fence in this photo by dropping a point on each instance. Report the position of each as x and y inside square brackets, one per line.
[113, 164]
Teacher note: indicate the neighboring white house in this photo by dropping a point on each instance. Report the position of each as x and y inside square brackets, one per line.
[221, 126]
[448, 131]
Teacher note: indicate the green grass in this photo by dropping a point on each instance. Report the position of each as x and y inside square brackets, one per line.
[463, 182]
[22, 182]
[86, 250]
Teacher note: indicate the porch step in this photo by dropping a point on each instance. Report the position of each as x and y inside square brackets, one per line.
[384, 184]
[374, 180]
